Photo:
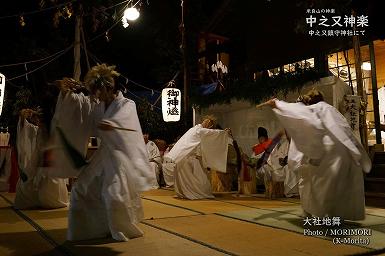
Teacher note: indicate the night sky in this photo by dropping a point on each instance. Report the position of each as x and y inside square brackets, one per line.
[263, 34]
[143, 51]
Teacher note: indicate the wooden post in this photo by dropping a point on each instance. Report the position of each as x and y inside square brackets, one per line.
[186, 69]
[77, 66]
[360, 89]
[321, 64]
[85, 46]
[375, 93]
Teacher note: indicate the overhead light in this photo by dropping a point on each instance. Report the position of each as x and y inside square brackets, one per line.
[131, 14]
[366, 66]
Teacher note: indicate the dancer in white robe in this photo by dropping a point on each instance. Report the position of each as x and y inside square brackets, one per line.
[34, 188]
[154, 158]
[198, 150]
[105, 199]
[5, 161]
[332, 160]
[277, 168]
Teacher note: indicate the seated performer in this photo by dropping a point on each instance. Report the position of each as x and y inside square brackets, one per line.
[154, 158]
[168, 166]
[35, 188]
[332, 159]
[105, 199]
[275, 169]
[199, 149]
[264, 142]
[162, 146]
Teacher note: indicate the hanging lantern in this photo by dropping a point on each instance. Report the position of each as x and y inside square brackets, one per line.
[171, 104]
[2, 91]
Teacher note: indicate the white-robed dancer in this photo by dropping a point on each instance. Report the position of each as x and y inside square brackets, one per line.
[201, 148]
[105, 199]
[154, 158]
[34, 188]
[330, 157]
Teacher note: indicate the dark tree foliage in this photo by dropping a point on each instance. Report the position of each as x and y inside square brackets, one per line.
[147, 52]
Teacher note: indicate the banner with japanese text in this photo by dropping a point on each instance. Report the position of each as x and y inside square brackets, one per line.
[171, 104]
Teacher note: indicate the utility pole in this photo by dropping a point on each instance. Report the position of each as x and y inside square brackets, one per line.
[186, 69]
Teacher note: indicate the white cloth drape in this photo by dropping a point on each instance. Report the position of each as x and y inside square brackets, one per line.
[72, 115]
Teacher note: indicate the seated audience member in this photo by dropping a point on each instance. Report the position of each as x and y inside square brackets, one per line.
[154, 158]
[275, 172]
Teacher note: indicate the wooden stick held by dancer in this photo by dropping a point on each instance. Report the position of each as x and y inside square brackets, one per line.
[270, 103]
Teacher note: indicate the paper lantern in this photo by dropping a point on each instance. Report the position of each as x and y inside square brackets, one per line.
[171, 104]
[2, 91]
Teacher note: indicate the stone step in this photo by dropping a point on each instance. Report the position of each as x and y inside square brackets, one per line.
[375, 179]
[375, 185]
[375, 199]
[379, 158]
[375, 195]
[378, 170]
[375, 202]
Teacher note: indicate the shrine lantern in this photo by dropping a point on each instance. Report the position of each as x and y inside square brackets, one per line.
[171, 104]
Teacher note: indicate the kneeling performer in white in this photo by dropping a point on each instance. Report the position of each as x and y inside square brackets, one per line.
[199, 149]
